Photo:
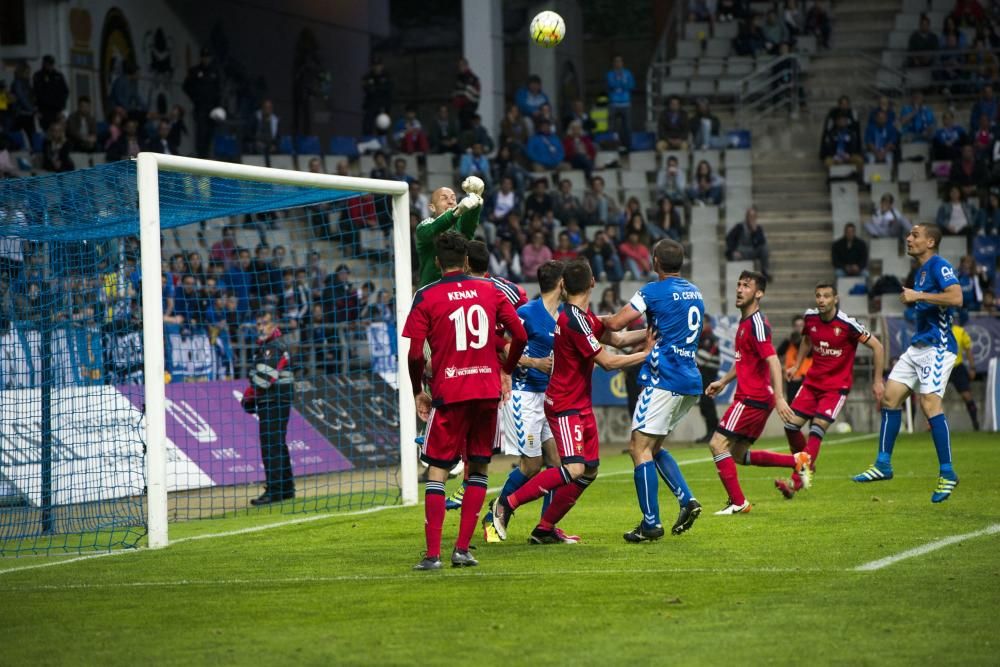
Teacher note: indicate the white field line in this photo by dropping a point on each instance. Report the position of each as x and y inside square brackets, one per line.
[318, 517]
[926, 549]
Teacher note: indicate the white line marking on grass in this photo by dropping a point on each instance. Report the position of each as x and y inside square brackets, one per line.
[926, 548]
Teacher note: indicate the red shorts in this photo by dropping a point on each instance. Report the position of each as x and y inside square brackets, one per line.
[744, 420]
[460, 430]
[815, 403]
[576, 437]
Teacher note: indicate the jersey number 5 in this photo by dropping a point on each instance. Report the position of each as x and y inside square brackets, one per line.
[472, 321]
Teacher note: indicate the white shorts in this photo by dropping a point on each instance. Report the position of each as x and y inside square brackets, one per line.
[658, 411]
[525, 427]
[925, 370]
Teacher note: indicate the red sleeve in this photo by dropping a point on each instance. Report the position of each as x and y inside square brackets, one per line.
[416, 330]
[584, 332]
[518, 336]
[762, 343]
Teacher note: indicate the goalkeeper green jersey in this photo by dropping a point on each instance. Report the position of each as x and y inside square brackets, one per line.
[428, 230]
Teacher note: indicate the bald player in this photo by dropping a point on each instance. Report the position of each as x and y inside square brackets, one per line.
[449, 214]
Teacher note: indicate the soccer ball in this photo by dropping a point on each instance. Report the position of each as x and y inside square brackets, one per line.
[218, 114]
[383, 121]
[547, 29]
[842, 427]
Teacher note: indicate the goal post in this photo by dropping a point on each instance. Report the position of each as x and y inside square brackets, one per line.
[148, 169]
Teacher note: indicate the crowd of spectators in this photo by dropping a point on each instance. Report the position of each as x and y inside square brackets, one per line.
[962, 57]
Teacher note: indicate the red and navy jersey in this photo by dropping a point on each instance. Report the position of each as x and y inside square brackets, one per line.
[457, 316]
[753, 347]
[834, 344]
[511, 291]
[577, 337]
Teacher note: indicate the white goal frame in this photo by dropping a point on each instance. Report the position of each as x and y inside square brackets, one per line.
[148, 167]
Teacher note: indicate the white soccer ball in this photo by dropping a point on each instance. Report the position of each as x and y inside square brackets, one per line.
[547, 29]
[382, 121]
[842, 427]
[218, 114]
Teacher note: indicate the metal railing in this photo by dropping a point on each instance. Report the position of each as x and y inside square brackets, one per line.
[666, 47]
[771, 88]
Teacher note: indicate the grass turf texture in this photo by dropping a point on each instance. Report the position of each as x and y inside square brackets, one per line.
[774, 586]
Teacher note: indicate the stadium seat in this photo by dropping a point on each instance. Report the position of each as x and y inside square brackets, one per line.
[435, 181]
[953, 248]
[604, 158]
[915, 7]
[717, 48]
[705, 222]
[740, 66]
[701, 87]
[942, 6]
[304, 161]
[226, 147]
[884, 172]
[848, 283]
[738, 158]
[899, 40]
[631, 179]
[697, 30]
[283, 161]
[891, 305]
[285, 145]
[16, 140]
[842, 170]
[911, 171]
[986, 250]
[37, 142]
[98, 158]
[366, 163]
[739, 176]
[907, 21]
[914, 149]
[919, 77]
[688, 48]
[713, 69]
[805, 44]
[882, 188]
[441, 163]
[729, 87]
[577, 179]
[330, 163]
[305, 145]
[923, 190]
[254, 160]
[674, 87]
[642, 161]
[726, 30]
[854, 303]
[643, 141]
[80, 160]
[343, 146]
[682, 69]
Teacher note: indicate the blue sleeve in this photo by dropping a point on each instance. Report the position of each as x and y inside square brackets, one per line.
[609, 80]
[629, 80]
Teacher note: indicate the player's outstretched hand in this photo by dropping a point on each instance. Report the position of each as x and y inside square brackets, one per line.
[423, 401]
[784, 411]
[714, 388]
[474, 185]
[468, 203]
[878, 389]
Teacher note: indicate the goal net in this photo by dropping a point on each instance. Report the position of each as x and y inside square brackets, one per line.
[132, 297]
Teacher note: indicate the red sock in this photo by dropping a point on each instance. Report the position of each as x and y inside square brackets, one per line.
[472, 503]
[433, 517]
[538, 486]
[562, 502]
[812, 447]
[796, 441]
[771, 459]
[727, 473]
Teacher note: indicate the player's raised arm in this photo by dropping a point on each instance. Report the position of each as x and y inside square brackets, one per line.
[621, 319]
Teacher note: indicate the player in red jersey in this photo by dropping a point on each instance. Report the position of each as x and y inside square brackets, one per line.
[759, 390]
[568, 407]
[457, 316]
[832, 336]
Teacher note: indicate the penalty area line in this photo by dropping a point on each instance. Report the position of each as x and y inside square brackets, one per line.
[926, 549]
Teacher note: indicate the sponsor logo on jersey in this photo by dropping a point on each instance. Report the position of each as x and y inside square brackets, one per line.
[825, 350]
[452, 372]
[593, 342]
[947, 272]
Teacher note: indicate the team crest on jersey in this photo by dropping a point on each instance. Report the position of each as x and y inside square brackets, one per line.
[923, 275]
[836, 331]
[813, 329]
[449, 372]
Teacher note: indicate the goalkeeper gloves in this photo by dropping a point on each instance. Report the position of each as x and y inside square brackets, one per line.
[249, 401]
[470, 202]
[474, 185]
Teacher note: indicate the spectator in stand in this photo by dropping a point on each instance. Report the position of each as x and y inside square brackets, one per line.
[544, 149]
[637, 223]
[196, 268]
[636, 258]
[539, 201]
[985, 105]
[886, 105]
[881, 140]
[950, 71]
[409, 135]
[265, 131]
[506, 165]
[706, 129]
[512, 228]
[567, 205]
[534, 255]
[671, 181]
[922, 45]
[530, 97]
[983, 63]
[55, 149]
[177, 127]
[794, 18]
[632, 207]
[975, 282]
[706, 186]
[161, 142]
[203, 86]
[749, 41]
[190, 305]
[701, 10]
[169, 300]
[775, 32]
[81, 128]
[982, 140]
[746, 240]
[667, 222]
[949, 29]
[842, 143]
[564, 248]
[917, 119]
[843, 108]
[818, 24]
[948, 139]
[381, 167]
[465, 97]
[620, 84]
[968, 12]
[224, 251]
[419, 201]
[957, 216]
[673, 127]
[51, 92]
[500, 203]
[239, 279]
[24, 108]
[968, 173]
[850, 254]
[604, 260]
[599, 206]
[887, 221]
[514, 131]
[125, 93]
[505, 262]
[127, 145]
[399, 172]
[579, 149]
[475, 163]
[444, 133]
[579, 112]
[377, 88]
[476, 134]
[266, 286]
[988, 220]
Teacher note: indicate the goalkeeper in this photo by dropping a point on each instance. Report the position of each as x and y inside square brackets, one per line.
[451, 215]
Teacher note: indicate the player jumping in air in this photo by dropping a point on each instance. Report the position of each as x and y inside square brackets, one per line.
[758, 376]
[457, 316]
[568, 406]
[671, 385]
[449, 215]
[832, 336]
[925, 366]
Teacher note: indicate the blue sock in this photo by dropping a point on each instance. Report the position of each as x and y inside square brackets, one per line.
[891, 421]
[671, 474]
[515, 480]
[646, 489]
[942, 443]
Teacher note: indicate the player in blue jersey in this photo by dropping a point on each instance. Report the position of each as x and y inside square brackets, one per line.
[526, 431]
[925, 366]
[671, 385]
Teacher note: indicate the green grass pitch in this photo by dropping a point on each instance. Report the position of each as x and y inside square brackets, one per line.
[777, 586]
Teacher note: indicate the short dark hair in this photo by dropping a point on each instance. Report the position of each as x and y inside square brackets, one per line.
[82, 99]
[451, 249]
[934, 232]
[669, 255]
[577, 276]
[758, 279]
[549, 274]
[826, 284]
[479, 257]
